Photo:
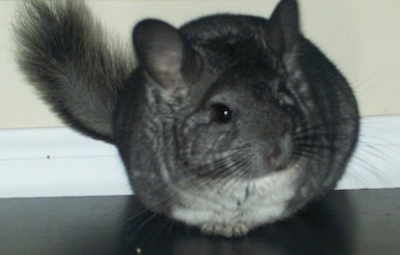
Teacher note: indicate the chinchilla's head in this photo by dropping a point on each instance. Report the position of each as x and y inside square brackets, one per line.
[217, 139]
[221, 101]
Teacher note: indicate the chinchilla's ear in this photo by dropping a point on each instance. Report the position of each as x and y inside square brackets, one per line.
[166, 57]
[283, 27]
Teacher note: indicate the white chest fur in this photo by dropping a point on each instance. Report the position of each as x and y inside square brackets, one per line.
[236, 207]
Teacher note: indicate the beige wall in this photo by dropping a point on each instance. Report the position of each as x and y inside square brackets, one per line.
[362, 37]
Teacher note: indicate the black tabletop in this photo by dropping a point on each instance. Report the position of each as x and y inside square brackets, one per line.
[344, 222]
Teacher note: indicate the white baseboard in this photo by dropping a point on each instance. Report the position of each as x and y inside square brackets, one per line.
[47, 162]
[376, 162]
[60, 162]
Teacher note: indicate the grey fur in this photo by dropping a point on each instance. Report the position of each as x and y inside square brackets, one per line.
[228, 123]
[68, 57]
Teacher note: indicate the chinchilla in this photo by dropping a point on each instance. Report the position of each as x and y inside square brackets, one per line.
[227, 123]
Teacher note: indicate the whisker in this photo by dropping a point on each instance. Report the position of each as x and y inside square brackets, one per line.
[236, 177]
[332, 123]
[131, 235]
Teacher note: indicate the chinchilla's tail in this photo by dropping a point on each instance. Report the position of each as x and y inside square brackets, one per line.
[69, 59]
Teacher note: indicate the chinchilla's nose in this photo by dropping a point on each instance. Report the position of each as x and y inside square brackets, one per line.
[277, 153]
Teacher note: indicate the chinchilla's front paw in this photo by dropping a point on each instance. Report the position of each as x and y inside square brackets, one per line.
[235, 229]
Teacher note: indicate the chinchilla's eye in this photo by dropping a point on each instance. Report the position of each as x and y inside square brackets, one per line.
[221, 113]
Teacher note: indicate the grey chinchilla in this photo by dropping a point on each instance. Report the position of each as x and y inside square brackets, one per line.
[227, 123]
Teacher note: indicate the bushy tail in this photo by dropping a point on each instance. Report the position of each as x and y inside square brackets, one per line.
[67, 56]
